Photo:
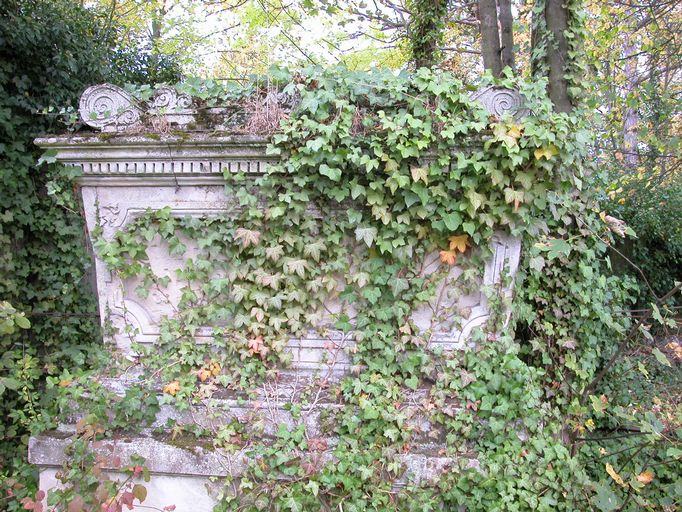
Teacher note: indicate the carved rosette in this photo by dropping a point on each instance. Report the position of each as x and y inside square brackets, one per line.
[109, 108]
[500, 101]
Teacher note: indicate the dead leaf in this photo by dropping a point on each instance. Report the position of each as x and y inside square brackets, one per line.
[203, 374]
[613, 474]
[172, 388]
[646, 477]
[449, 257]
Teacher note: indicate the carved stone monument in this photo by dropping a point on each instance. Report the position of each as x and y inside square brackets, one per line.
[124, 173]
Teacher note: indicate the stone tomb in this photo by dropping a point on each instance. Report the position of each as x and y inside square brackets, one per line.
[127, 171]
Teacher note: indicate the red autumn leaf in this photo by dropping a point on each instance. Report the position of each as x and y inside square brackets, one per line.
[256, 345]
[76, 505]
[127, 499]
[317, 445]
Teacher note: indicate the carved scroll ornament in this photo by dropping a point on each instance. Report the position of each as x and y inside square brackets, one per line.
[110, 108]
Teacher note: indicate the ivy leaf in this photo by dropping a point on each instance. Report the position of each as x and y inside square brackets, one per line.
[313, 250]
[21, 321]
[660, 357]
[294, 505]
[399, 285]
[361, 278]
[316, 143]
[313, 487]
[547, 152]
[48, 157]
[372, 294]
[367, 235]
[247, 237]
[645, 477]
[172, 388]
[140, 492]
[525, 178]
[452, 220]
[558, 247]
[466, 377]
[391, 433]
[449, 257]
[537, 263]
[605, 499]
[296, 266]
[331, 172]
[256, 346]
[475, 198]
[459, 242]
[274, 252]
[238, 293]
[420, 173]
[412, 382]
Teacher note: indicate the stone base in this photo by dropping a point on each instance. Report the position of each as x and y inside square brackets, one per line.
[189, 476]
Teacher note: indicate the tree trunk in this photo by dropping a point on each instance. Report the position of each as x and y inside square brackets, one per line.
[506, 33]
[426, 31]
[556, 19]
[490, 38]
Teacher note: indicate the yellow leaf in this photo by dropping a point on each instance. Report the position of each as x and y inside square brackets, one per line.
[203, 374]
[459, 242]
[645, 477]
[448, 257]
[616, 477]
[172, 388]
[515, 130]
[547, 151]
[419, 173]
[215, 368]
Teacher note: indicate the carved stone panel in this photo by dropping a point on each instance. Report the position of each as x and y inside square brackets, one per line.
[125, 176]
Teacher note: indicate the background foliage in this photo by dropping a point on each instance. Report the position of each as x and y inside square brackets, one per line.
[49, 52]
